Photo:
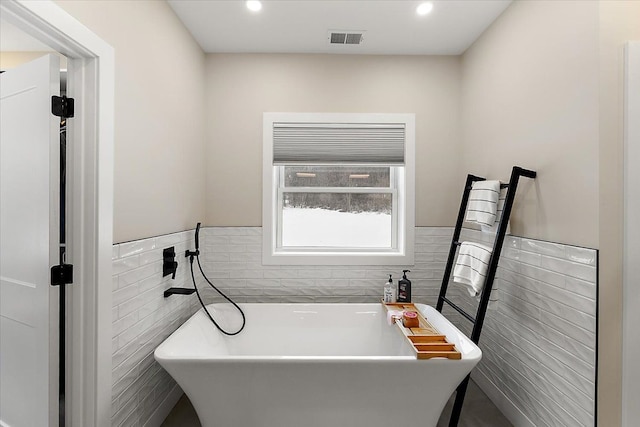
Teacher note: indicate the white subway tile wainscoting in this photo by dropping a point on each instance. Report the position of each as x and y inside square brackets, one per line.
[539, 339]
[232, 255]
[143, 393]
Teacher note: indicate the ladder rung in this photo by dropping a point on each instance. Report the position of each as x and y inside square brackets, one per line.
[501, 186]
[459, 310]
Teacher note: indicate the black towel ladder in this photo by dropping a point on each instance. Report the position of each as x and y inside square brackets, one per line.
[478, 320]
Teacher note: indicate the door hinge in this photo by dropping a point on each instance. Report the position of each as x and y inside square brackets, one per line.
[62, 106]
[61, 274]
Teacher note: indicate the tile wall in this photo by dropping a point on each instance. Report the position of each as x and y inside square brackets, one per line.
[538, 340]
[232, 258]
[142, 319]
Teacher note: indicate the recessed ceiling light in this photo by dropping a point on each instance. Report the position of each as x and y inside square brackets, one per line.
[424, 8]
[254, 5]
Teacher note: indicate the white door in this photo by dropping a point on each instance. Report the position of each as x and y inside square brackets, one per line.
[29, 192]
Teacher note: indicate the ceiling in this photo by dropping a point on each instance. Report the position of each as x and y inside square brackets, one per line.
[302, 26]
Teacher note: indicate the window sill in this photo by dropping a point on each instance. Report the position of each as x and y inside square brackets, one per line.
[337, 258]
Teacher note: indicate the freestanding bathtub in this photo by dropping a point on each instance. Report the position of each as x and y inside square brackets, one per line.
[312, 365]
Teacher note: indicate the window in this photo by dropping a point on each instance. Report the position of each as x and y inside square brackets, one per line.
[336, 207]
[338, 189]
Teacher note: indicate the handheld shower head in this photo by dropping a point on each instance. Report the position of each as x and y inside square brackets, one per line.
[198, 237]
[189, 254]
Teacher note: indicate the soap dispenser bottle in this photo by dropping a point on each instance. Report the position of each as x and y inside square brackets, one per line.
[389, 292]
[404, 288]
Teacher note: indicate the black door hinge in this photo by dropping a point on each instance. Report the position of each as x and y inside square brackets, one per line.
[61, 274]
[62, 106]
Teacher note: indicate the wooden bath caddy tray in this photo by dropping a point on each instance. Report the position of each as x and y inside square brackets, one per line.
[425, 340]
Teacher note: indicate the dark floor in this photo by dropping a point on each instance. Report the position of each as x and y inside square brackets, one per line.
[478, 411]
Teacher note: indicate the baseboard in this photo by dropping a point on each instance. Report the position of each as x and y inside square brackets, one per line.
[160, 414]
[504, 404]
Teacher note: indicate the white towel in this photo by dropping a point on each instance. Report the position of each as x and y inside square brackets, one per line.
[483, 203]
[471, 266]
[500, 207]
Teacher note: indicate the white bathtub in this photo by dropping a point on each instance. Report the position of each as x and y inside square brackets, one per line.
[312, 365]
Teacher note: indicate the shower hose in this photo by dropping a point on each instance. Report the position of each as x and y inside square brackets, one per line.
[196, 255]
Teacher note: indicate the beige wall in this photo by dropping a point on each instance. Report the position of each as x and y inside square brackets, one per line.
[551, 74]
[619, 22]
[159, 130]
[530, 98]
[240, 87]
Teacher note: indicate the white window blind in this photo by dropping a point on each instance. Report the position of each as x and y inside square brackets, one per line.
[338, 143]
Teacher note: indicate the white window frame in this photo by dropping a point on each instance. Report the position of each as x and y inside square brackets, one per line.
[402, 189]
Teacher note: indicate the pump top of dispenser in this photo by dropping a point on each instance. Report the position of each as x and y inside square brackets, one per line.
[404, 273]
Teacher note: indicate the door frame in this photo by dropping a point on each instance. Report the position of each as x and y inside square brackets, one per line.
[91, 71]
[631, 269]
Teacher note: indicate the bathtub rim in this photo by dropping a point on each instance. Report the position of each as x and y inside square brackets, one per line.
[470, 356]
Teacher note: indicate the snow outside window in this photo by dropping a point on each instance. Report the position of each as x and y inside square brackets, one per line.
[323, 209]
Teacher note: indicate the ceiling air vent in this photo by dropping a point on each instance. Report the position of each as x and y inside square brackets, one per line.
[345, 37]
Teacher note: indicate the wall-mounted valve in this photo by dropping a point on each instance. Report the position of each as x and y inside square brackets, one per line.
[169, 264]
